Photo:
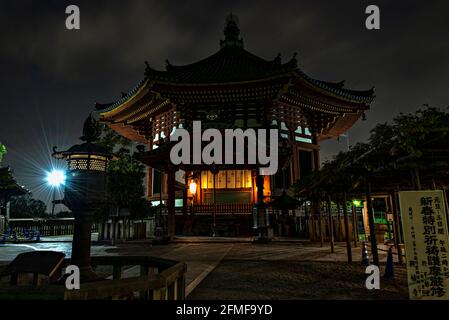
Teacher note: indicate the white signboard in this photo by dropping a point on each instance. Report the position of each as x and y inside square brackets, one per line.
[426, 240]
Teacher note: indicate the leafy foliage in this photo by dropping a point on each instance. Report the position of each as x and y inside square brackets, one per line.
[126, 177]
[417, 142]
[6, 180]
[3, 151]
[27, 207]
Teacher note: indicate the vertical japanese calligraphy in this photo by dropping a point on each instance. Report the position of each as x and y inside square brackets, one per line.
[426, 240]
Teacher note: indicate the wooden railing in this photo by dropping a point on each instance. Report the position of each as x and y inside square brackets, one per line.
[159, 279]
[46, 227]
[223, 208]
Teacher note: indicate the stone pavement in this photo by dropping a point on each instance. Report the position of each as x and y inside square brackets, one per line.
[295, 271]
[58, 243]
[220, 268]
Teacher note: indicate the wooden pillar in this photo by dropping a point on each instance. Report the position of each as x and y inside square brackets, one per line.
[316, 159]
[149, 181]
[372, 232]
[397, 237]
[447, 205]
[345, 214]
[320, 225]
[171, 202]
[214, 210]
[184, 200]
[417, 178]
[355, 226]
[339, 230]
[260, 205]
[331, 227]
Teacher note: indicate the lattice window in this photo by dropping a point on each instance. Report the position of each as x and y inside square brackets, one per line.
[78, 164]
[98, 165]
[82, 164]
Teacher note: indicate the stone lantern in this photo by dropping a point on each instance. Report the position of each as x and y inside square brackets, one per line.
[85, 191]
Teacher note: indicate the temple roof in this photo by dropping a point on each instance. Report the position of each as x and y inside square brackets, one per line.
[229, 64]
[234, 76]
[232, 64]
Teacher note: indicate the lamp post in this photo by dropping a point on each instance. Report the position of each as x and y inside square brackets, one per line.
[55, 179]
[85, 191]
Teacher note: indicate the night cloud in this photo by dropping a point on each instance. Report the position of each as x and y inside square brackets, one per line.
[55, 75]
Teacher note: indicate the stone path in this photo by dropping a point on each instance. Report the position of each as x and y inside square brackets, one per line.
[225, 269]
[295, 271]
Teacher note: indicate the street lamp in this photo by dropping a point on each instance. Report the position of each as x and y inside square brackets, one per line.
[55, 179]
[85, 191]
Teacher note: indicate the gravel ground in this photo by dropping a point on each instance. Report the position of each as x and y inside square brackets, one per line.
[237, 279]
[277, 271]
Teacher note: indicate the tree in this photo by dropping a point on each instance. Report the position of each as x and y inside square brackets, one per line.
[125, 178]
[125, 185]
[2, 152]
[413, 145]
[27, 207]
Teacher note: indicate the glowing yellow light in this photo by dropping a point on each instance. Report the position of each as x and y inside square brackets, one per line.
[192, 187]
[357, 203]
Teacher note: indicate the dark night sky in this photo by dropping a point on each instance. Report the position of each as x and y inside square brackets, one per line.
[50, 76]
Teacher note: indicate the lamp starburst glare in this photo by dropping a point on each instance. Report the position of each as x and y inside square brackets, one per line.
[56, 178]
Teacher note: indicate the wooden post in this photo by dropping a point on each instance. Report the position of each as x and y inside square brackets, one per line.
[214, 210]
[417, 178]
[355, 225]
[117, 272]
[447, 205]
[260, 205]
[370, 212]
[320, 226]
[331, 227]
[171, 202]
[340, 226]
[345, 214]
[394, 209]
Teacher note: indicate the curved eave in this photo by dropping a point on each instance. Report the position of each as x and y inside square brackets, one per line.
[341, 125]
[128, 132]
[336, 90]
[136, 92]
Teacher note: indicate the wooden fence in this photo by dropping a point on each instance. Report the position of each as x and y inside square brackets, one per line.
[230, 208]
[46, 227]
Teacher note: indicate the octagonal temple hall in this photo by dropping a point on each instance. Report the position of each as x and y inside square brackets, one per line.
[232, 88]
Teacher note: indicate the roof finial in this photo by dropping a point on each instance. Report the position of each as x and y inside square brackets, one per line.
[91, 129]
[232, 32]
